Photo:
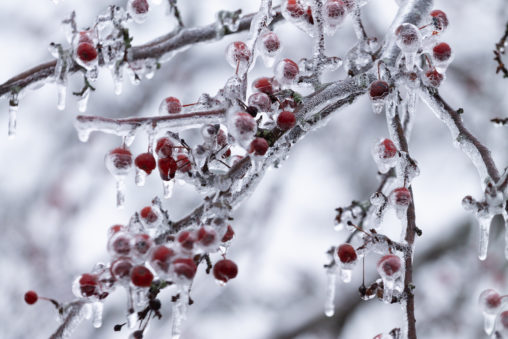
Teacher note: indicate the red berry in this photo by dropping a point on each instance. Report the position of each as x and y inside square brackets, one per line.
[379, 89]
[121, 158]
[244, 123]
[434, 78]
[121, 268]
[183, 162]
[225, 270]
[237, 52]
[121, 244]
[229, 234]
[264, 85]
[206, 236]
[186, 240]
[141, 276]
[172, 105]
[346, 253]
[490, 301]
[442, 51]
[115, 229]
[294, 8]
[271, 42]
[31, 297]
[258, 146]
[286, 120]
[401, 196]
[389, 265]
[167, 168]
[439, 19]
[145, 162]
[148, 215]
[84, 37]
[261, 101]
[86, 52]
[164, 148]
[388, 149]
[335, 9]
[287, 70]
[308, 16]
[185, 267]
[222, 139]
[88, 284]
[140, 6]
[142, 244]
[161, 257]
[504, 319]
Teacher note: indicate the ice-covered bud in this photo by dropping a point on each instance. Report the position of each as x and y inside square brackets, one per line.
[385, 155]
[86, 285]
[138, 9]
[242, 127]
[141, 276]
[184, 268]
[286, 120]
[209, 132]
[269, 44]
[468, 203]
[433, 78]
[238, 55]
[389, 266]
[439, 20]
[225, 270]
[164, 148]
[119, 161]
[378, 91]
[260, 101]
[258, 146]
[170, 105]
[121, 269]
[408, 38]
[286, 71]
[292, 9]
[167, 168]
[346, 254]
[335, 13]
[145, 162]
[160, 259]
[142, 244]
[490, 301]
[264, 85]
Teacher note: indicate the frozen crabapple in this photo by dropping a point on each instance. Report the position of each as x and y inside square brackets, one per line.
[269, 43]
[242, 127]
[183, 163]
[258, 146]
[86, 52]
[230, 233]
[286, 120]
[238, 55]
[138, 9]
[115, 229]
[225, 270]
[378, 90]
[401, 196]
[145, 162]
[120, 244]
[141, 276]
[161, 258]
[439, 20]
[184, 268]
[170, 105]
[164, 147]
[167, 168]
[442, 52]
[387, 149]
[503, 320]
[408, 38]
[292, 9]
[389, 266]
[334, 13]
[433, 78]
[119, 161]
[86, 285]
[346, 254]
[489, 301]
[121, 269]
[206, 236]
[148, 215]
[286, 71]
[142, 243]
[186, 239]
[260, 101]
[264, 85]
[385, 155]
[31, 297]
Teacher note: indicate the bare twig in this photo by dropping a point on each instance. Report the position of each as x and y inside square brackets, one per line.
[501, 50]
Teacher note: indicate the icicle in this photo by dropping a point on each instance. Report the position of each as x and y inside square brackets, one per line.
[179, 313]
[168, 186]
[489, 320]
[13, 110]
[83, 100]
[118, 78]
[97, 308]
[330, 293]
[389, 268]
[61, 95]
[346, 274]
[140, 177]
[132, 316]
[484, 222]
[120, 193]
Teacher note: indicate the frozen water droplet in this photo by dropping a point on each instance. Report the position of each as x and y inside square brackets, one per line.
[118, 79]
[484, 222]
[345, 275]
[13, 110]
[83, 100]
[330, 293]
[378, 106]
[140, 177]
[61, 95]
[168, 186]
[489, 320]
[83, 134]
[97, 308]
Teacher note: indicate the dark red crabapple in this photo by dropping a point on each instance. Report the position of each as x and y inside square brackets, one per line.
[334, 12]
[270, 42]
[31, 297]
[238, 53]
[186, 239]
[170, 105]
[442, 51]
[244, 124]
[141, 276]
[286, 120]
[121, 268]
[161, 258]
[206, 236]
[229, 234]
[261, 101]
[408, 37]
[388, 149]
[503, 319]
[287, 70]
[121, 158]
[433, 77]
[346, 253]
[140, 6]
[167, 168]
[183, 162]
[439, 19]
[258, 146]
[164, 148]
[120, 244]
[148, 214]
[379, 89]
[88, 285]
[225, 270]
[86, 52]
[146, 162]
[115, 229]
[389, 266]
[142, 244]
[489, 301]
[264, 85]
[294, 8]
[185, 268]
[401, 196]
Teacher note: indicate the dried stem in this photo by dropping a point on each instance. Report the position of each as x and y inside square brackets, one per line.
[500, 50]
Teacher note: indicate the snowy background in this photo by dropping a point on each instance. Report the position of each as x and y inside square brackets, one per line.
[57, 198]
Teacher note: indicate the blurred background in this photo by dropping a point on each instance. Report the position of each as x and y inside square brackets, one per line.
[57, 199]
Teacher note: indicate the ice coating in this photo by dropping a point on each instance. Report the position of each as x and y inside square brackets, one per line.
[74, 313]
[138, 10]
[330, 293]
[389, 268]
[13, 111]
[97, 308]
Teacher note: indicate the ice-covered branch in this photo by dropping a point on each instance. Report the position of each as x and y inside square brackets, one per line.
[157, 48]
[72, 315]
